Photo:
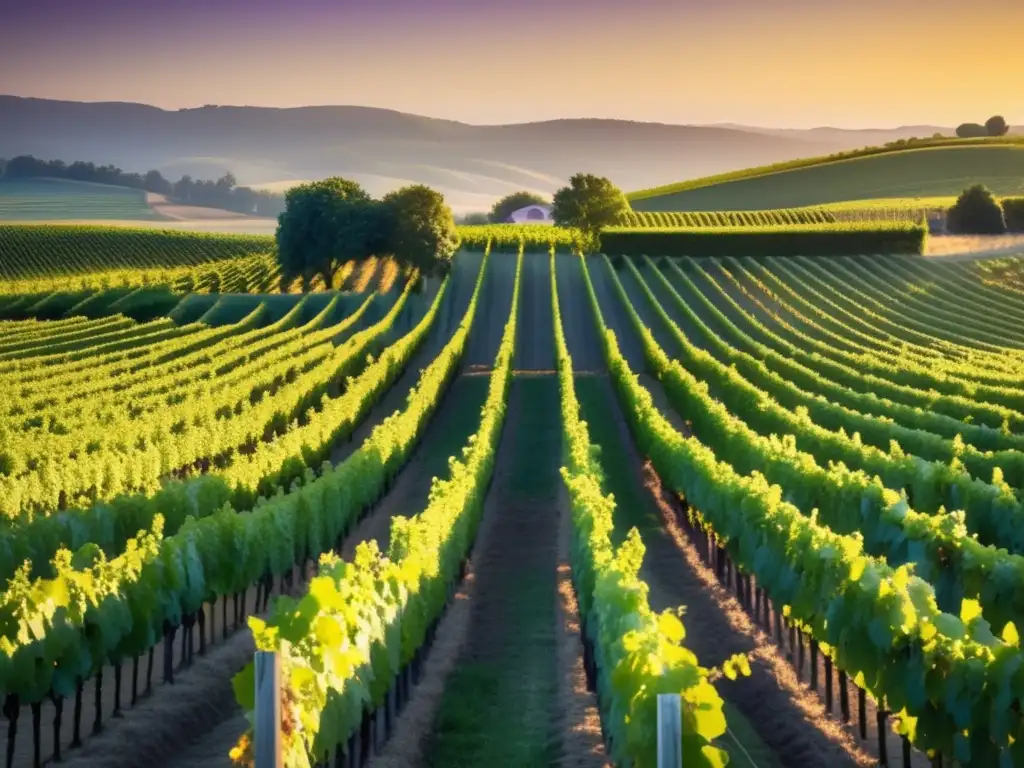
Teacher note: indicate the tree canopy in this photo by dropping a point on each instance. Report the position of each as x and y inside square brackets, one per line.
[222, 193]
[328, 223]
[996, 126]
[325, 224]
[513, 202]
[418, 229]
[976, 212]
[590, 203]
[971, 131]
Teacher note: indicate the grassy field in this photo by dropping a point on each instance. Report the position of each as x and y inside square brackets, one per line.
[63, 200]
[914, 173]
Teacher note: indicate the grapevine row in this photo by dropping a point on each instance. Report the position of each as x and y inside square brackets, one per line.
[613, 602]
[848, 501]
[379, 608]
[951, 683]
[907, 382]
[119, 608]
[767, 218]
[41, 250]
[883, 433]
[134, 456]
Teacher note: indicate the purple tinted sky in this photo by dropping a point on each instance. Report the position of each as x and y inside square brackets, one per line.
[784, 63]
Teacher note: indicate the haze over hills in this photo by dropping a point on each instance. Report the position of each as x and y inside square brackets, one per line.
[384, 149]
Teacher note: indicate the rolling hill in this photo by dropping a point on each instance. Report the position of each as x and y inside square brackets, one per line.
[60, 199]
[383, 149]
[928, 172]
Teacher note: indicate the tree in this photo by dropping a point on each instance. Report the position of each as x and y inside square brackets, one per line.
[511, 203]
[183, 189]
[155, 182]
[590, 203]
[324, 224]
[417, 227]
[971, 131]
[976, 212]
[227, 181]
[475, 219]
[996, 126]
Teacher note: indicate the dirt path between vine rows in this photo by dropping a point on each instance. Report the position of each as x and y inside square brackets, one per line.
[504, 682]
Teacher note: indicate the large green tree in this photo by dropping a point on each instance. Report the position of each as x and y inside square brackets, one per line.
[418, 228]
[996, 126]
[513, 202]
[590, 203]
[971, 131]
[976, 212]
[325, 224]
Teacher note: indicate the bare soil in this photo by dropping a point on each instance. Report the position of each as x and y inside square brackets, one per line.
[581, 737]
[178, 212]
[970, 247]
[503, 704]
[170, 729]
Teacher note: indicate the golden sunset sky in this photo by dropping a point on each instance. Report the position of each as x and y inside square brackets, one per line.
[792, 63]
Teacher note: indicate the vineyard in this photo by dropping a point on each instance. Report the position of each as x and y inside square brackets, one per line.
[487, 519]
[939, 168]
[39, 260]
[776, 218]
[53, 250]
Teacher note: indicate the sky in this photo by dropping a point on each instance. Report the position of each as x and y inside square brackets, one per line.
[773, 63]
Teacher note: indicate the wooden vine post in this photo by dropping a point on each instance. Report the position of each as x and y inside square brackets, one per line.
[670, 731]
[267, 731]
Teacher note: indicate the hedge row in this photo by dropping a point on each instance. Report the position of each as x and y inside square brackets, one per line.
[1013, 212]
[829, 240]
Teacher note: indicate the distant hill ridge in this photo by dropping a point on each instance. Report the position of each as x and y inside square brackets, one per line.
[383, 149]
